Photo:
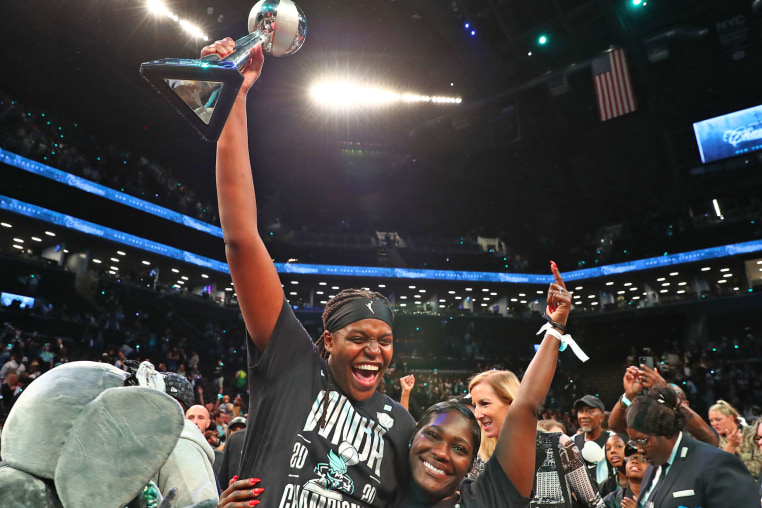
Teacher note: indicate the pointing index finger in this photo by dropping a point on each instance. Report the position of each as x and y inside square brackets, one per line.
[557, 274]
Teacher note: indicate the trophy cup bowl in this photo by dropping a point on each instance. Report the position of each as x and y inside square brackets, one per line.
[203, 90]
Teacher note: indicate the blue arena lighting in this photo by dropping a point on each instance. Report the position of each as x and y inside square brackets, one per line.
[90, 228]
[106, 233]
[542, 40]
[91, 187]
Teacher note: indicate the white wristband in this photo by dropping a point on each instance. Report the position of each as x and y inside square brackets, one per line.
[566, 340]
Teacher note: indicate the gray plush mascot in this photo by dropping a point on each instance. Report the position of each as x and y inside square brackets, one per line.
[78, 437]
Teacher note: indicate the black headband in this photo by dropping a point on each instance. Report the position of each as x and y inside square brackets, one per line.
[358, 309]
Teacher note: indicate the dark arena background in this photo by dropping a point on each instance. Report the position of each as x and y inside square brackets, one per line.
[451, 204]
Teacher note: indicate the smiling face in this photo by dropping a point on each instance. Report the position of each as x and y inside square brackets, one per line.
[360, 353]
[723, 424]
[489, 409]
[615, 451]
[440, 456]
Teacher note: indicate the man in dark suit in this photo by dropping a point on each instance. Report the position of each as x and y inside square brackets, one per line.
[683, 472]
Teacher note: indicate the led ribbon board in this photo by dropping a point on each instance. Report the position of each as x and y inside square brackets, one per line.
[91, 187]
[90, 228]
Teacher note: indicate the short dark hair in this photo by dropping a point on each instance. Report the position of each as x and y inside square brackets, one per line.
[453, 405]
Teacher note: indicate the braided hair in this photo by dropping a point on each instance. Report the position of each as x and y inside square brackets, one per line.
[657, 413]
[338, 301]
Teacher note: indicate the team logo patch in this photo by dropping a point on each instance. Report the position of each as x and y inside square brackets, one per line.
[385, 420]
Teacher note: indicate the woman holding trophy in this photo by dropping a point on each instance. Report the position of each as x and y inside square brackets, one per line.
[319, 432]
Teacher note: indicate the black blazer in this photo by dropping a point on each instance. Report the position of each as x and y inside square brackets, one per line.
[702, 476]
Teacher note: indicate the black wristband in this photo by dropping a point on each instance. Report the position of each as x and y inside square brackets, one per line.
[558, 326]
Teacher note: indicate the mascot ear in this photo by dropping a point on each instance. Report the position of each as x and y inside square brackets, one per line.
[116, 445]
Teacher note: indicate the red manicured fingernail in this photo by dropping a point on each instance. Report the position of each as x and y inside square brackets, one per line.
[257, 491]
[553, 264]
[235, 478]
[254, 480]
[254, 502]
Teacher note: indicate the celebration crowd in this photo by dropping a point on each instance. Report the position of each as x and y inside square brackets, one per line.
[260, 412]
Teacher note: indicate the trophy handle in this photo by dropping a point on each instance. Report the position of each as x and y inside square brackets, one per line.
[240, 53]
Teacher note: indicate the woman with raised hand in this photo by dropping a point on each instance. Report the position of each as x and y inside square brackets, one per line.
[448, 437]
[735, 436]
[318, 433]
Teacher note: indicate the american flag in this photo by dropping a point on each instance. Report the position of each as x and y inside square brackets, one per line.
[613, 87]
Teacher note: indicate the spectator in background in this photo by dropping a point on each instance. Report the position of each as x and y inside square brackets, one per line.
[231, 459]
[592, 440]
[9, 390]
[15, 364]
[634, 381]
[199, 416]
[635, 466]
[616, 450]
[226, 407]
[735, 436]
[681, 469]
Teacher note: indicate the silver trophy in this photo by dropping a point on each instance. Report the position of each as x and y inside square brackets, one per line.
[203, 90]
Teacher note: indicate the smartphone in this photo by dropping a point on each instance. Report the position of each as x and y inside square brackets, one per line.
[648, 361]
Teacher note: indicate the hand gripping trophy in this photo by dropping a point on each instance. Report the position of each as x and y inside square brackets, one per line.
[203, 90]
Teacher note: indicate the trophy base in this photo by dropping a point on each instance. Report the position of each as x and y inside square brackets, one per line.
[202, 91]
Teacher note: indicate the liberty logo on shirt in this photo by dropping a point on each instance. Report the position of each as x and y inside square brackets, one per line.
[333, 475]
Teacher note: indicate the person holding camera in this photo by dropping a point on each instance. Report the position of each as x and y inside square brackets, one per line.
[683, 471]
[638, 380]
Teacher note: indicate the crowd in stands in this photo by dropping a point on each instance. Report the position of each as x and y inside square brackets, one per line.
[125, 322]
[50, 138]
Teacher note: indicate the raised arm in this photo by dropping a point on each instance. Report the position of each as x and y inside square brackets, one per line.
[255, 279]
[635, 379]
[632, 388]
[407, 383]
[515, 449]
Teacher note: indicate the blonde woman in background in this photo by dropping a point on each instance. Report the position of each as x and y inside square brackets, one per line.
[735, 436]
[559, 469]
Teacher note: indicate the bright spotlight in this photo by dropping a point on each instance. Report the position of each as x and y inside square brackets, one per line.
[348, 94]
[158, 8]
[193, 30]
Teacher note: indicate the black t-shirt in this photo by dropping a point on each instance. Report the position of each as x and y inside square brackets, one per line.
[360, 457]
[492, 489]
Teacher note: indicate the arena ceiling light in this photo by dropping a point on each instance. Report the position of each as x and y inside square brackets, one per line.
[159, 9]
[346, 94]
